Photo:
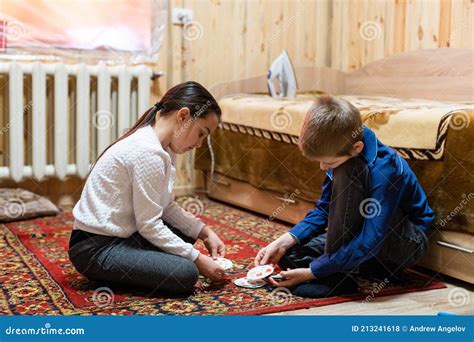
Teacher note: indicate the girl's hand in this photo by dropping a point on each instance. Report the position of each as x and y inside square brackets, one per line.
[213, 243]
[208, 268]
[293, 277]
[272, 253]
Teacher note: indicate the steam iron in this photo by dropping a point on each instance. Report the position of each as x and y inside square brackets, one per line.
[282, 70]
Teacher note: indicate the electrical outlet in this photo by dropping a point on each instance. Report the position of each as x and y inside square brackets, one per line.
[181, 15]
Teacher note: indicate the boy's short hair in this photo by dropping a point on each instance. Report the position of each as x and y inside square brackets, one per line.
[331, 127]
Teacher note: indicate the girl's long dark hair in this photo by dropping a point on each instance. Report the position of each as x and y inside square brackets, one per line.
[189, 94]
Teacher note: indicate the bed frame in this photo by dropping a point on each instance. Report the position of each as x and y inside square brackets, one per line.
[418, 74]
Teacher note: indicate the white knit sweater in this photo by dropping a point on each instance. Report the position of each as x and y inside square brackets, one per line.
[130, 189]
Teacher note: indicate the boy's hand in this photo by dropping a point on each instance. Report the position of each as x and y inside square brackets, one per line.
[213, 243]
[293, 277]
[208, 268]
[272, 253]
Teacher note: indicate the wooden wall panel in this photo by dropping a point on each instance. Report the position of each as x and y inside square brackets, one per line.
[240, 39]
[462, 21]
[422, 31]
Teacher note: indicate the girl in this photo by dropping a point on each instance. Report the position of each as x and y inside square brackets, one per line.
[128, 229]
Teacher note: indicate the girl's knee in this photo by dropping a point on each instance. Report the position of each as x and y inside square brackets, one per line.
[185, 277]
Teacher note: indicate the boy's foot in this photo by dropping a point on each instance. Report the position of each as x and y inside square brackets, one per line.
[334, 285]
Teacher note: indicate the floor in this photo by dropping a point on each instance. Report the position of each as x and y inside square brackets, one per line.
[457, 298]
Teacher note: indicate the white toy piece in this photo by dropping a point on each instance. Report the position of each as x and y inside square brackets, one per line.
[260, 272]
[246, 283]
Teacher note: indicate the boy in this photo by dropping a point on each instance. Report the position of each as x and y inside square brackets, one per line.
[375, 211]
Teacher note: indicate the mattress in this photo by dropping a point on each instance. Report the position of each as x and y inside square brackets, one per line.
[250, 147]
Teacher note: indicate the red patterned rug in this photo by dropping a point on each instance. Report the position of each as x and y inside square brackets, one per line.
[37, 277]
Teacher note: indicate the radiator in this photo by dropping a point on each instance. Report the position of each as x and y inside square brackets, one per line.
[58, 117]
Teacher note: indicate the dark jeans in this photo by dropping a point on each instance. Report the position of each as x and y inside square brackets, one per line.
[133, 261]
[404, 246]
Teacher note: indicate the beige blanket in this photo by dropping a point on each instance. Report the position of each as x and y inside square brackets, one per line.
[416, 128]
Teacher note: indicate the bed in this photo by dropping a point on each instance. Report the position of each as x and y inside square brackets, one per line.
[420, 103]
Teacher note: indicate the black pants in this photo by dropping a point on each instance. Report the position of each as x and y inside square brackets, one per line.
[404, 246]
[132, 261]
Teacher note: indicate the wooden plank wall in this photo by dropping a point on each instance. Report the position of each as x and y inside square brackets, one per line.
[232, 40]
[239, 39]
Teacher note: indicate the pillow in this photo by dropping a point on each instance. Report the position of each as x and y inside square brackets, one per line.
[20, 204]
